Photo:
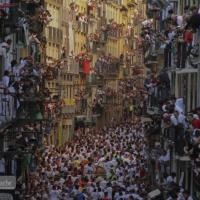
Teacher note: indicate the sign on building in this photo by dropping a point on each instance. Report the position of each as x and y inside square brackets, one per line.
[7, 183]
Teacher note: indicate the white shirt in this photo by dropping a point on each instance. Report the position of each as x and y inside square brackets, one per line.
[5, 81]
[103, 184]
[53, 195]
[3, 49]
[109, 191]
[17, 69]
[181, 120]
[174, 120]
[95, 196]
[179, 20]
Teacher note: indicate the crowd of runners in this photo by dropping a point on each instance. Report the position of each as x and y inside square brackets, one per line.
[103, 164]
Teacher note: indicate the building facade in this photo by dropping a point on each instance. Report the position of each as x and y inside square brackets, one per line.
[171, 54]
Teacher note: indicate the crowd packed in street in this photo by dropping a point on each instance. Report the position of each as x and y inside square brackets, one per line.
[103, 164]
[179, 39]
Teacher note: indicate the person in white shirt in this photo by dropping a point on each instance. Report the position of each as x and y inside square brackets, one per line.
[6, 79]
[54, 193]
[101, 193]
[109, 190]
[88, 169]
[95, 195]
[182, 120]
[174, 118]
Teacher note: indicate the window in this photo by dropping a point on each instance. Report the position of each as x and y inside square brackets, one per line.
[54, 34]
[66, 92]
[70, 91]
[50, 33]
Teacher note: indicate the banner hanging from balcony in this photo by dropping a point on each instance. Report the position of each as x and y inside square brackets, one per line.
[86, 66]
[69, 102]
[7, 5]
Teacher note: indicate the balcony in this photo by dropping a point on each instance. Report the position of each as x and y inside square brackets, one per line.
[109, 73]
[70, 66]
[113, 35]
[108, 67]
[103, 37]
[68, 110]
[7, 106]
[94, 80]
[150, 60]
[93, 46]
[180, 55]
[81, 27]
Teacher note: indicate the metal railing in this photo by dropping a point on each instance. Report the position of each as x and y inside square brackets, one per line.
[179, 54]
[7, 106]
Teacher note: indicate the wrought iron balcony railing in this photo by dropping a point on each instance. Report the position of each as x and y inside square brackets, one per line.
[7, 106]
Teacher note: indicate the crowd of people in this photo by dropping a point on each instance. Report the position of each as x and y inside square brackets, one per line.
[107, 64]
[178, 40]
[98, 165]
[157, 87]
[21, 85]
[183, 129]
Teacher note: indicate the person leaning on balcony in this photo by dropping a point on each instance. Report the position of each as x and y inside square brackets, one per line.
[188, 39]
[174, 119]
[196, 122]
[169, 36]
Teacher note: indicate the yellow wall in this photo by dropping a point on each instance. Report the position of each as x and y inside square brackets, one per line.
[115, 46]
[80, 38]
[62, 132]
[53, 48]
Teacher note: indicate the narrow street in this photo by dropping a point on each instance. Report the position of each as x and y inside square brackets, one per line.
[103, 164]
